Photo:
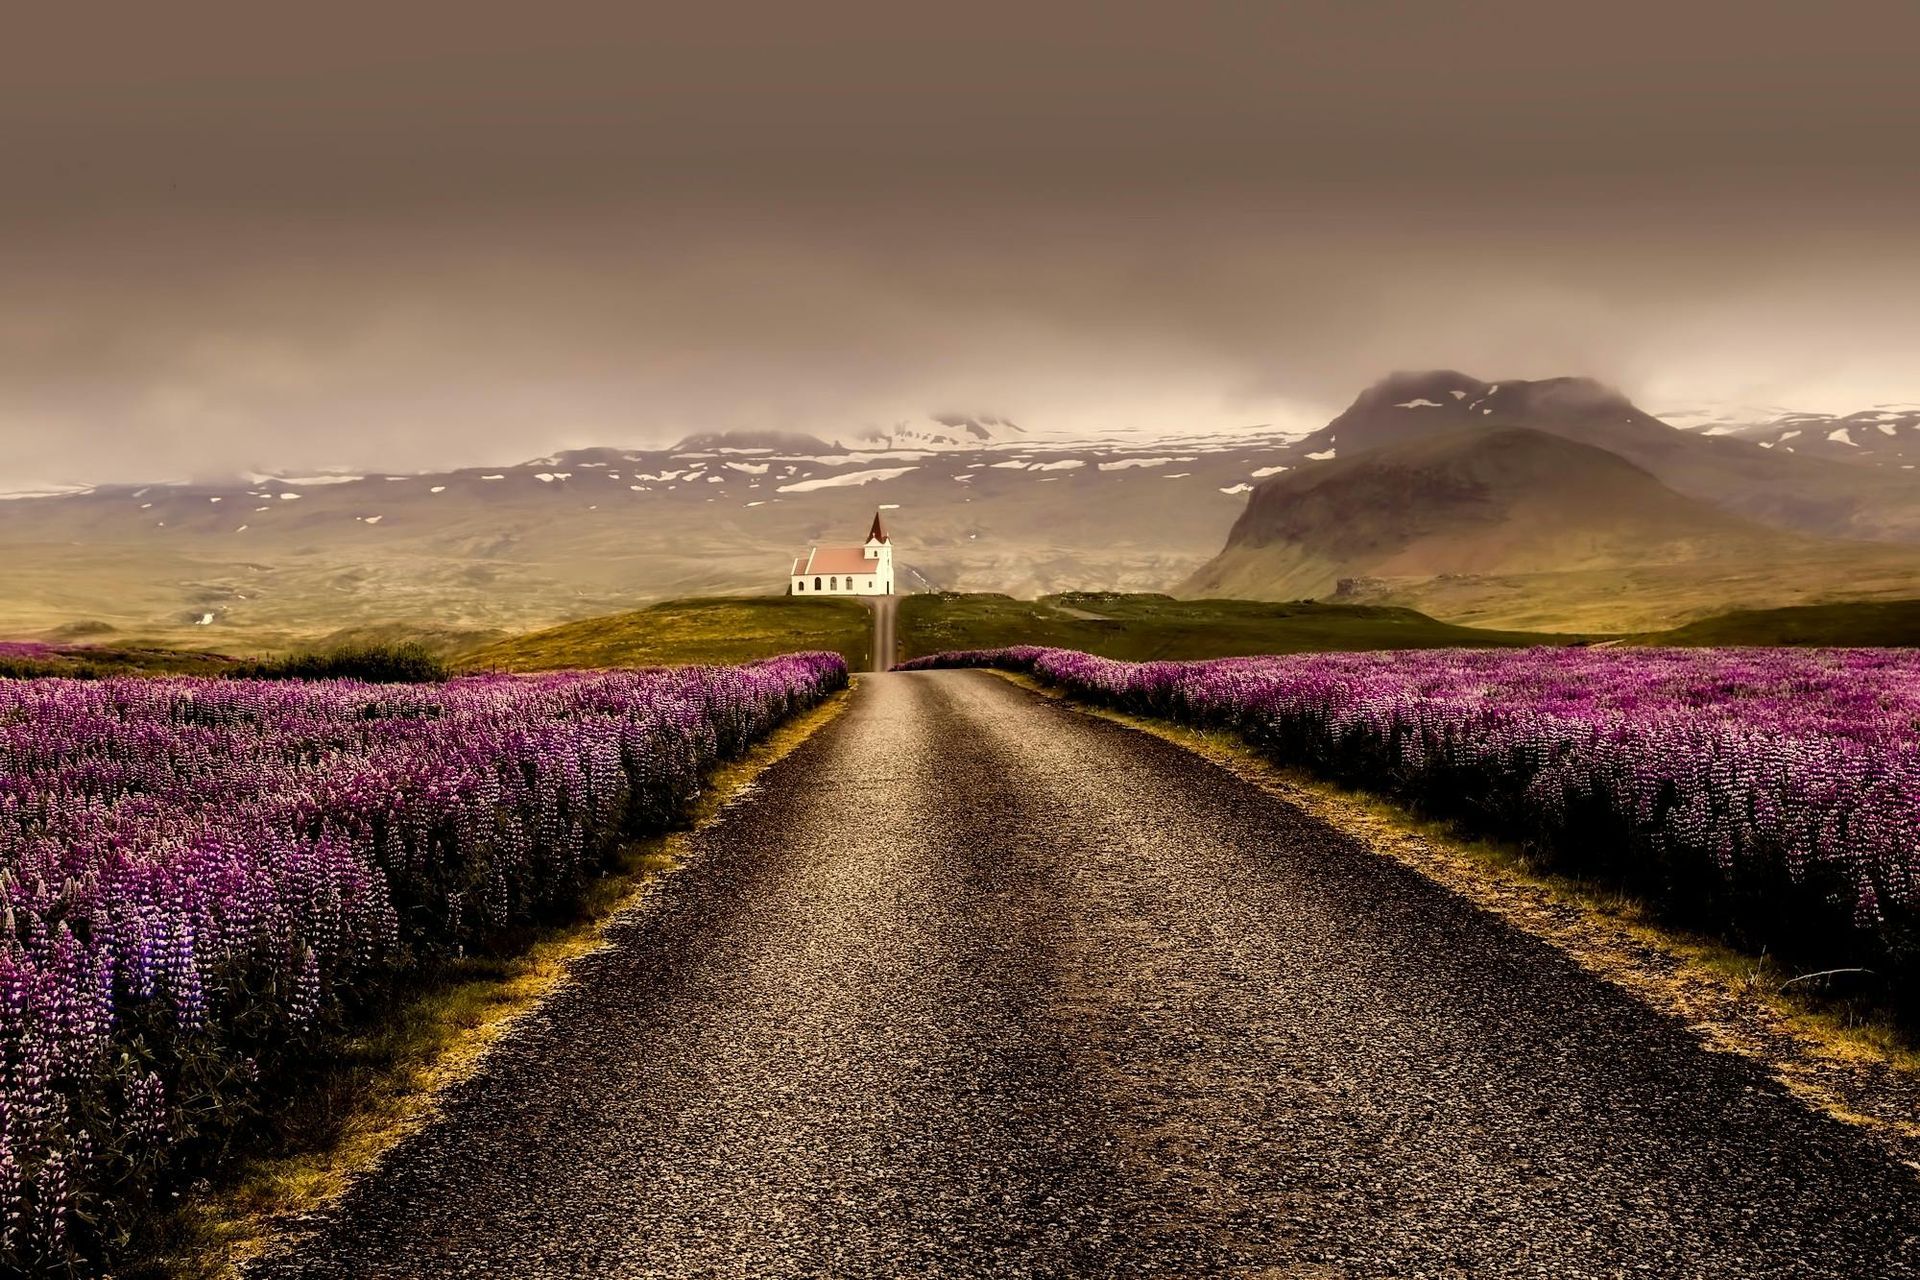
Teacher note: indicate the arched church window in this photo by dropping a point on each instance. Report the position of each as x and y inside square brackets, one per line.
[816, 584]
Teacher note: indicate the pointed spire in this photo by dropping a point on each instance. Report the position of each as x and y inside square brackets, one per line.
[879, 531]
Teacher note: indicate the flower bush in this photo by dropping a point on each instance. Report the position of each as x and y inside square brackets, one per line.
[1772, 794]
[201, 880]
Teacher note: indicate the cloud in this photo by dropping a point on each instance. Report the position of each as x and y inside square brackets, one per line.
[229, 247]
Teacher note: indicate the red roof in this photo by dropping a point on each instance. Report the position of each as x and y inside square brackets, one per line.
[879, 531]
[836, 560]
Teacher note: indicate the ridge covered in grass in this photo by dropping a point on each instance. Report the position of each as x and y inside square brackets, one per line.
[715, 629]
[1139, 627]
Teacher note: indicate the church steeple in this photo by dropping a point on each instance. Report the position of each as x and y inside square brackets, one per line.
[879, 531]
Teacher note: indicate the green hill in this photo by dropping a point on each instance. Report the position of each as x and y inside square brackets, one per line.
[715, 629]
[1892, 623]
[1145, 627]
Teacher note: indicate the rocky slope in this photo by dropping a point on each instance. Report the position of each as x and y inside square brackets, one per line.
[1809, 492]
[1512, 526]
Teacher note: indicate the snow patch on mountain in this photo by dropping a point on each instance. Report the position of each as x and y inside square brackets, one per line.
[847, 479]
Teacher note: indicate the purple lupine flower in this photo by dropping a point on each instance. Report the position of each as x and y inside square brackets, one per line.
[192, 870]
[1773, 791]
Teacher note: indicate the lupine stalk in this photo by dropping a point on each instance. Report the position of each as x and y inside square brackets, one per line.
[198, 878]
[1770, 793]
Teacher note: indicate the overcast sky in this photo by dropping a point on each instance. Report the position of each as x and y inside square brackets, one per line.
[380, 236]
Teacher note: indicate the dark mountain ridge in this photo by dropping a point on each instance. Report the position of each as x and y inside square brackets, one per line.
[1807, 494]
[1472, 500]
[1504, 525]
[771, 441]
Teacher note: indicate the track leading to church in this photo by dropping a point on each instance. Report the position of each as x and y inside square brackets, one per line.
[885, 608]
[974, 985]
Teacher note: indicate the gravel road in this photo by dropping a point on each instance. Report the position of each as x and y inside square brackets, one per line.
[885, 609]
[973, 984]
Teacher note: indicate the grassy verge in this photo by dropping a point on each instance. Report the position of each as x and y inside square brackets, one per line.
[1141, 627]
[385, 1082]
[1845, 1055]
[719, 629]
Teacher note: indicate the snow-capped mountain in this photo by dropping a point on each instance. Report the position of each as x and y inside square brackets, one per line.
[594, 530]
[979, 503]
[1885, 435]
[943, 431]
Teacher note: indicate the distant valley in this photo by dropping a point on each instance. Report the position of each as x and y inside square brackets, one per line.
[1554, 504]
[273, 559]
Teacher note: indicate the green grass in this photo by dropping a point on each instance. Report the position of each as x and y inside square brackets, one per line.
[1862, 623]
[403, 663]
[93, 662]
[715, 629]
[445, 642]
[1143, 627]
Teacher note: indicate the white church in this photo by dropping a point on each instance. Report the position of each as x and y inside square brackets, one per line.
[846, 571]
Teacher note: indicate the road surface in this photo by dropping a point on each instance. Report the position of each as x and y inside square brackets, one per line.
[972, 984]
[884, 608]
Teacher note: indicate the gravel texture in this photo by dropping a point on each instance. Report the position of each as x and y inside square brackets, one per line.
[885, 610]
[973, 984]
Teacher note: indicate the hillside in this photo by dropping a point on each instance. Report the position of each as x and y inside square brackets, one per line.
[687, 631]
[1142, 627]
[276, 561]
[754, 441]
[1502, 526]
[1885, 436]
[1487, 500]
[1773, 485]
[1894, 623]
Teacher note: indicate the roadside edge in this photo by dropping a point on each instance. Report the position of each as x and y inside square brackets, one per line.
[1856, 1073]
[441, 1039]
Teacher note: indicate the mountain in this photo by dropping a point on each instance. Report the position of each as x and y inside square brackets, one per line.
[1884, 436]
[1579, 520]
[942, 431]
[1775, 486]
[1405, 406]
[1475, 500]
[755, 441]
[1513, 526]
[267, 559]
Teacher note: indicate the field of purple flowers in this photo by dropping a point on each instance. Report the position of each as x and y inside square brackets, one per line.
[1770, 794]
[201, 881]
